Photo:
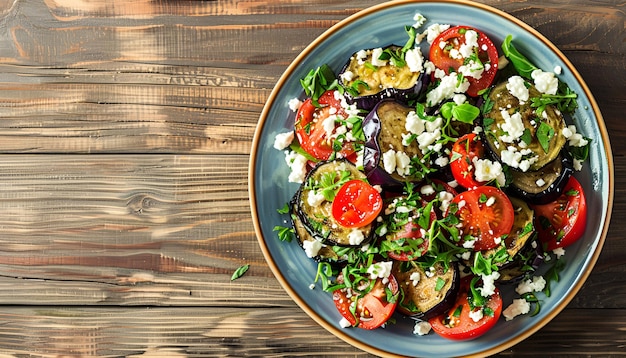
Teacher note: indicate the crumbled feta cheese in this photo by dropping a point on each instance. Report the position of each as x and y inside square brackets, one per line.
[516, 87]
[486, 170]
[415, 278]
[403, 163]
[574, 139]
[311, 247]
[380, 270]
[537, 284]
[513, 126]
[414, 59]
[559, 251]
[347, 76]
[344, 323]
[429, 67]
[356, 237]
[540, 182]
[414, 123]
[448, 87]
[312, 286]
[558, 70]
[434, 30]
[375, 57]
[471, 42]
[518, 307]
[298, 165]
[294, 104]
[545, 82]
[476, 315]
[469, 244]
[283, 140]
[315, 198]
[361, 56]
[445, 199]
[419, 20]
[472, 69]
[459, 99]
[421, 328]
[489, 287]
[389, 161]
[427, 138]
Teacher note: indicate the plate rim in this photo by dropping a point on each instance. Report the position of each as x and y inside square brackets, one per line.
[585, 272]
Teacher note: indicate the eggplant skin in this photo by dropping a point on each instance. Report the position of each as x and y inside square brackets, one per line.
[317, 218]
[422, 301]
[382, 128]
[554, 175]
[388, 81]
[504, 101]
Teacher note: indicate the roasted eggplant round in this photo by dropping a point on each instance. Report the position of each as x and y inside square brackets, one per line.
[370, 80]
[530, 148]
[426, 294]
[315, 212]
[386, 160]
[544, 185]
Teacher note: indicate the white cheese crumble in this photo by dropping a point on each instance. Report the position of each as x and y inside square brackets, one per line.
[421, 328]
[545, 82]
[315, 198]
[419, 20]
[298, 165]
[344, 323]
[356, 237]
[476, 315]
[415, 278]
[294, 104]
[434, 30]
[513, 126]
[559, 251]
[283, 140]
[516, 87]
[489, 286]
[486, 170]
[389, 161]
[537, 284]
[375, 57]
[574, 139]
[311, 247]
[380, 270]
[414, 59]
[518, 307]
[448, 87]
[414, 123]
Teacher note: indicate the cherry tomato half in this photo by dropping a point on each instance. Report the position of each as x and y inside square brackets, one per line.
[356, 204]
[373, 309]
[452, 39]
[457, 324]
[464, 150]
[310, 130]
[485, 213]
[563, 221]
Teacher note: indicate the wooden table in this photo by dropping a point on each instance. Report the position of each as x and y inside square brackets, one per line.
[125, 132]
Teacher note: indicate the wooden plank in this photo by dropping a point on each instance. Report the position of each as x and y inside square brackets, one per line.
[238, 332]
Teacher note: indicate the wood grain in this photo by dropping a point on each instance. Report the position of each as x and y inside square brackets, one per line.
[125, 133]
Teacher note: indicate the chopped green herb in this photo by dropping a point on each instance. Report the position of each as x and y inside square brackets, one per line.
[239, 272]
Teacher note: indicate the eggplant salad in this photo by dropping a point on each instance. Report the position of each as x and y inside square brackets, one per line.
[431, 175]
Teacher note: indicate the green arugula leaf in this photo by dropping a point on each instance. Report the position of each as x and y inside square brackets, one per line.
[318, 81]
[545, 133]
[523, 66]
[284, 233]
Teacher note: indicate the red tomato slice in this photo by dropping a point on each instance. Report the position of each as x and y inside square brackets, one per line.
[356, 204]
[457, 324]
[563, 221]
[464, 150]
[486, 213]
[310, 132]
[373, 309]
[454, 38]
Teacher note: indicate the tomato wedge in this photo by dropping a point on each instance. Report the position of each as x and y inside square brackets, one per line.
[457, 324]
[447, 54]
[411, 231]
[310, 130]
[485, 213]
[464, 150]
[373, 309]
[356, 204]
[563, 221]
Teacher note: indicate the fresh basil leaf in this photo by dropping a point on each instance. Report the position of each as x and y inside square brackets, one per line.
[523, 66]
[545, 133]
[465, 113]
[239, 272]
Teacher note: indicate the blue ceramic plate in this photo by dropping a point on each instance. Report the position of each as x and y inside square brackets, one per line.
[269, 189]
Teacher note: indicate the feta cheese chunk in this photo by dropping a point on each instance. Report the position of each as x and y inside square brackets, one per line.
[518, 307]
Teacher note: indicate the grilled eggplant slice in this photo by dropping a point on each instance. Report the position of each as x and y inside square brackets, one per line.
[526, 152]
[383, 127]
[544, 185]
[313, 248]
[373, 83]
[315, 212]
[426, 294]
